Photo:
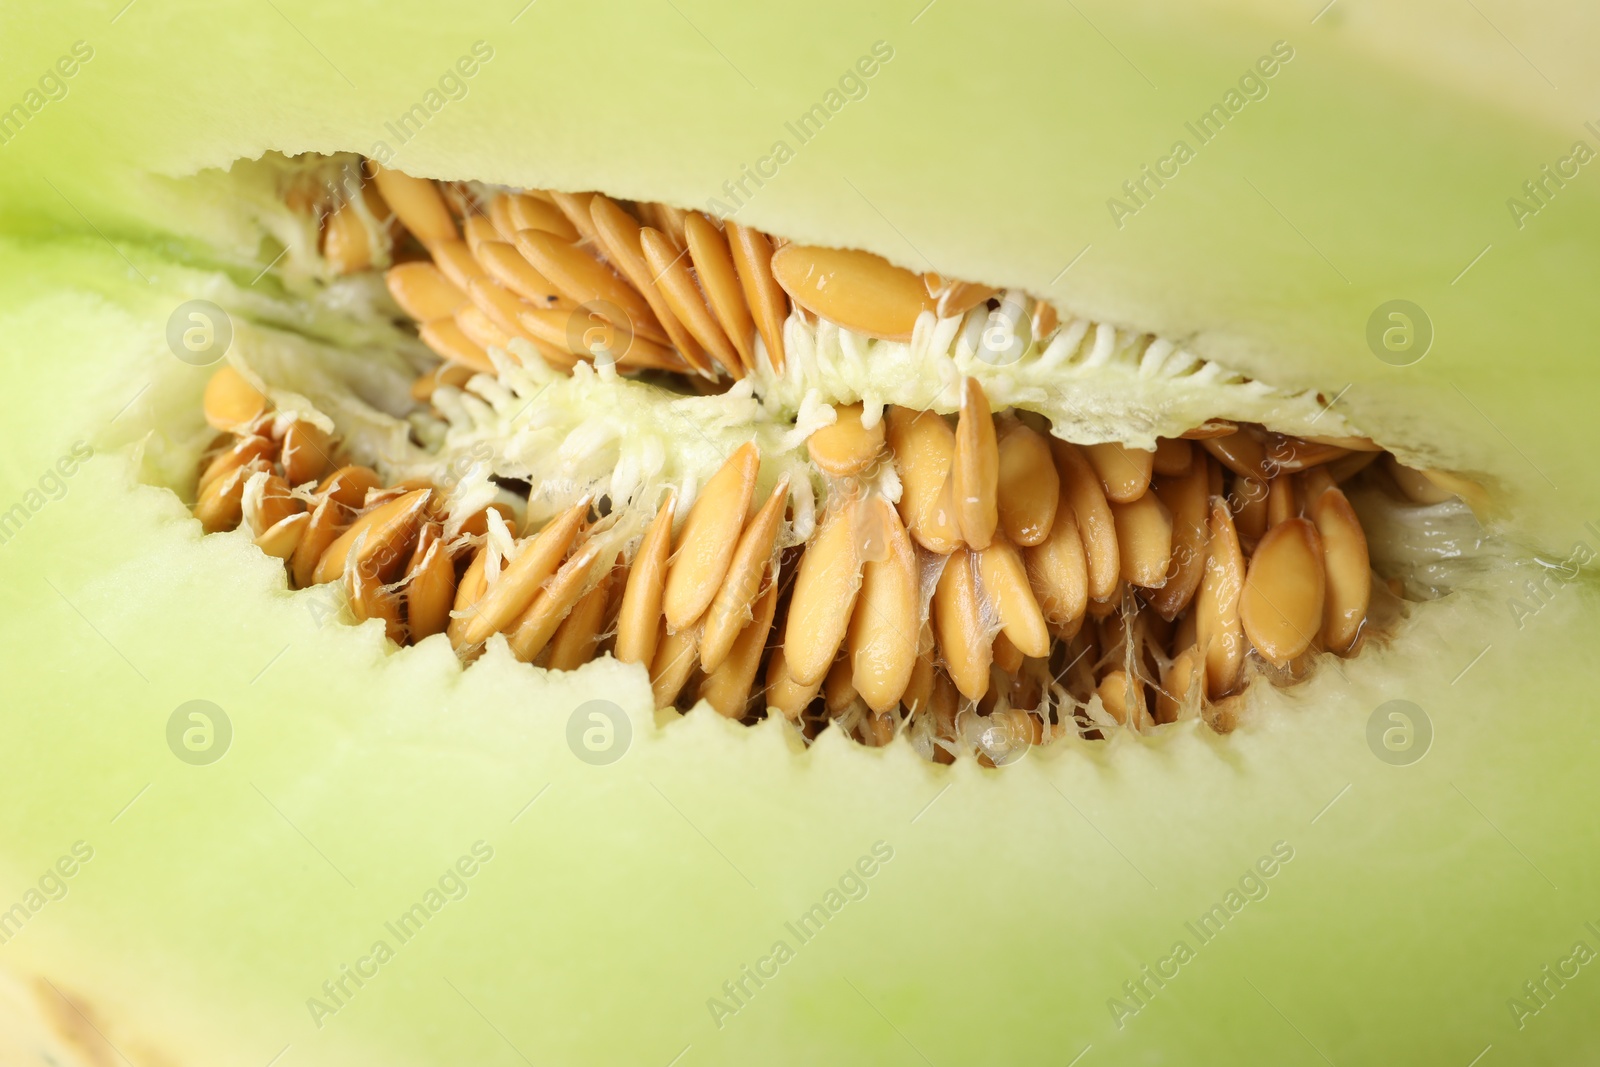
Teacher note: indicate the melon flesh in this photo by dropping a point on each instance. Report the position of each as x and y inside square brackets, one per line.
[1017, 902]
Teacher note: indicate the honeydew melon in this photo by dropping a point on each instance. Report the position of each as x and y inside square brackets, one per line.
[1408, 904]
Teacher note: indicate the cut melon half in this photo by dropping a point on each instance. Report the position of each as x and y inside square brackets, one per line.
[393, 858]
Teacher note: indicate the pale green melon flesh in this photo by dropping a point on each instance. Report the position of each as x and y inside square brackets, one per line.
[1017, 903]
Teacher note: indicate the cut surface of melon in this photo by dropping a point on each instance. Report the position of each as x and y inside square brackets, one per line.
[1016, 902]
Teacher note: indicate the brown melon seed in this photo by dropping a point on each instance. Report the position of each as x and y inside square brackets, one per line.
[958, 298]
[307, 452]
[474, 583]
[845, 446]
[727, 689]
[280, 539]
[456, 261]
[370, 600]
[575, 206]
[1414, 485]
[1186, 498]
[669, 269]
[578, 637]
[709, 538]
[1176, 682]
[919, 689]
[377, 539]
[876, 730]
[221, 503]
[769, 305]
[500, 215]
[1144, 540]
[1280, 500]
[783, 692]
[476, 229]
[958, 624]
[430, 590]
[1287, 455]
[1173, 457]
[1313, 483]
[838, 688]
[523, 212]
[503, 263]
[230, 401]
[1281, 607]
[1058, 572]
[477, 524]
[1241, 452]
[519, 581]
[349, 486]
[639, 619]
[1043, 321]
[1007, 656]
[823, 597]
[481, 330]
[1348, 569]
[713, 263]
[1210, 428]
[447, 373]
[244, 450]
[924, 449]
[976, 469]
[729, 612]
[271, 502]
[677, 654]
[1249, 500]
[553, 332]
[1029, 490]
[1124, 472]
[417, 203]
[882, 638]
[448, 341]
[327, 521]
[346, 242]
[856, 290]
[537, 624]
[1217, 627]
[1082, 491]
[500, 305]
[582, 279]
[1124, 700]
[1005, 583]
[618, 234]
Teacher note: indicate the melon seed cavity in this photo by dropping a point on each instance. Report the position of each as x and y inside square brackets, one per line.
[969, 579]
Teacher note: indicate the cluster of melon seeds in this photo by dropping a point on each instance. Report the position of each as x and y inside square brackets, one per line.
[972, 578]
